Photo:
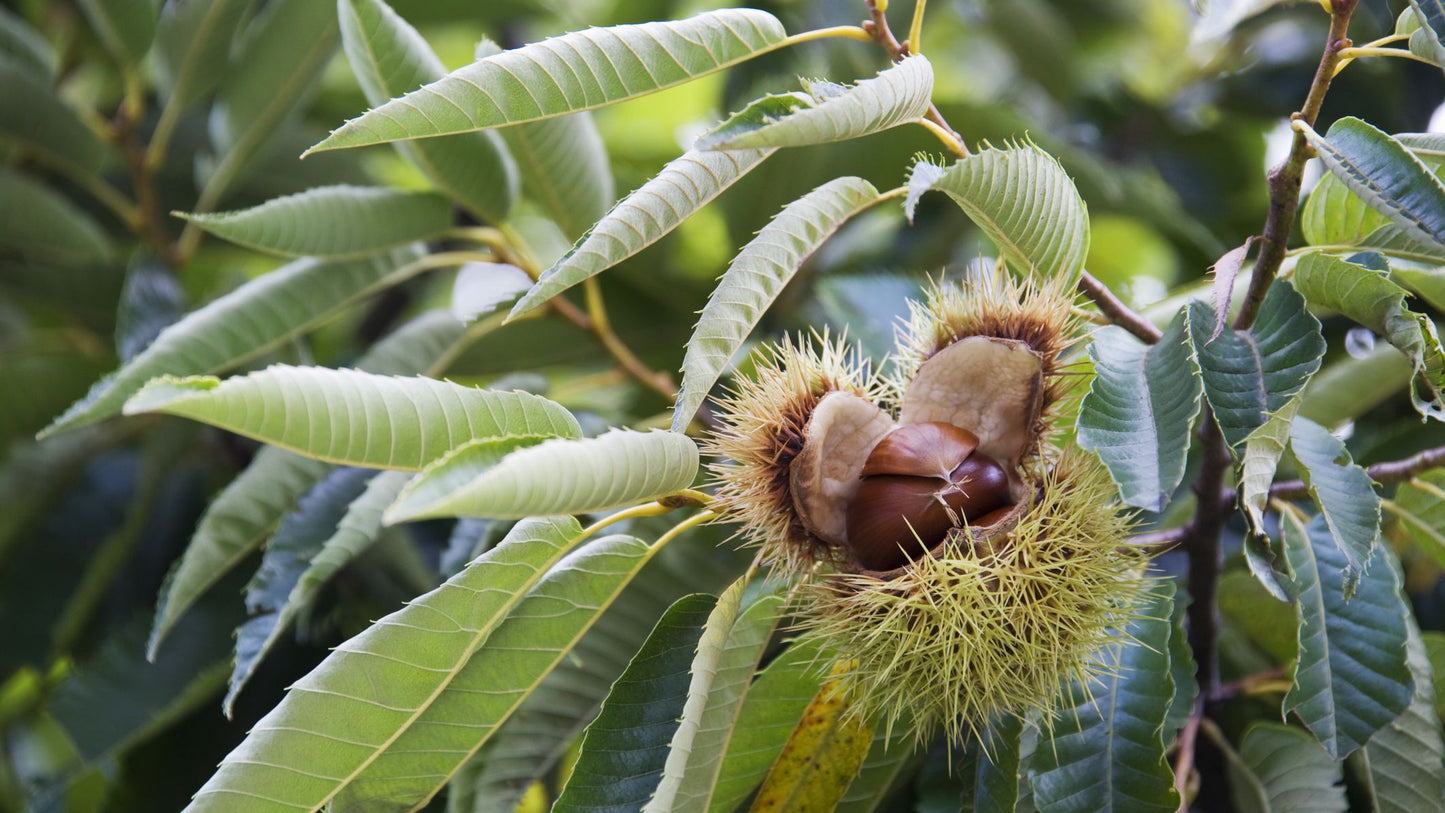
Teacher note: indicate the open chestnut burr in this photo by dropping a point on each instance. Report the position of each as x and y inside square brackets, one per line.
[918, 483]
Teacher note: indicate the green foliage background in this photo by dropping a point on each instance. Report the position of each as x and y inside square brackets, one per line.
[116, 663]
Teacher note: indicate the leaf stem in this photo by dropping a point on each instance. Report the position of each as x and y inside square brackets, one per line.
[681, 527]
[1284, 180]
[949, 138]
[915, 28]
[877, 27]
[651, 509]
[661, 383]
[852, 32]
[1114, 308]
[1348, 55]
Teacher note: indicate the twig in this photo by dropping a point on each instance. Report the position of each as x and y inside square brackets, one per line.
[877, 26]
[1392, 471]
[1184, 762]
[1284, 180]
[1162, 541]
[1205, 556]
[147, 221]
[1114, 308]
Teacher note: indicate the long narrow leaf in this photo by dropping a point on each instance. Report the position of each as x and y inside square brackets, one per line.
[644, 217]
[625, 748]
[754, 279]
[821, 756]
[389, 58]
[356, 418]
[339, 719]
[1344, 492]
[899, 94]
[1352, 678]
[555, 477]
[193, 40]
[241, 325]
[332, 221]
[565, 74]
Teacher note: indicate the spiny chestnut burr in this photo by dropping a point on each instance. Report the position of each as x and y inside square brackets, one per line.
[921, 481]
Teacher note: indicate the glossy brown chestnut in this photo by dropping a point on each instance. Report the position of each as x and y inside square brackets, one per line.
[921, 450]
[896, 517]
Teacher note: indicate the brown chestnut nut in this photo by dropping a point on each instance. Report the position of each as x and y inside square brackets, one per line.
[894, 517]
[921, 450]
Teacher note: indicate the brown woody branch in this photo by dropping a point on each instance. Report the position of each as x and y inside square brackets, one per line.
[877, 26]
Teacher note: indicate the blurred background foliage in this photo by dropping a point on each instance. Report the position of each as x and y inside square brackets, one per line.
[1165, 118]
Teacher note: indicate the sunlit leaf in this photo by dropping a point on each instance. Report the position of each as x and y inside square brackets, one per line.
[389, 58]
[241, 325]
[351, 713]
[1262, 452]
[1349, 506]
[1352, 678]
[1139, 410]
[821, 756]
[1420, 505]
[891, 757]
[332, 221]
[1368, 297]
[727, 657]
[759, 272]
[565, 74]
[899, 94]
[1023, 201]
[644, 217]
[563, 476]
[1250, 375]
[356, 418]
[481, 288]
[624, 750]
[1281, 768]
[1107, 750]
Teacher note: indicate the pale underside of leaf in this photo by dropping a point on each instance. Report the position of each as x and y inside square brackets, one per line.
[755, 277]
[333, 221]
[564, 476]
[642, 218]
[577, 71]
[1344, 492]
[250, 320]
[899, 94]
[356, 418]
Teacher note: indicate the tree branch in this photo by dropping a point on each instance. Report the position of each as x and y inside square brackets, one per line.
[877, 26]
[1284, 180]
[1114, 308]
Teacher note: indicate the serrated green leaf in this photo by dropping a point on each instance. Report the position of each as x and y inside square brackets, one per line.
[1343, 491]
[565, 74]
[297, 541]
[1404, 762]
[821, 756]
[1435, 652]
[542, 629]
[1139, 410]
[1262, 452]
[899, 94]
[1388, 177]
[125, 26]
[642, 218]
[34, 117]
[26, 47]
[992, 768]
[727, 656]
[553, 716]
[1182, 669]
[193, 45]
[1250, 375]
[1023, 201]
[624, 749]
[1108, 743]
[389, 58]
[355, 418]
[770, 711]
[1371, 299]
[241, 325]
[554, 477]
[1280, 768]
[1420, 505]
[1430, 17]
[413, 674]
[1351, 679]
[755, 277]
[332, 221]
[42, 225]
